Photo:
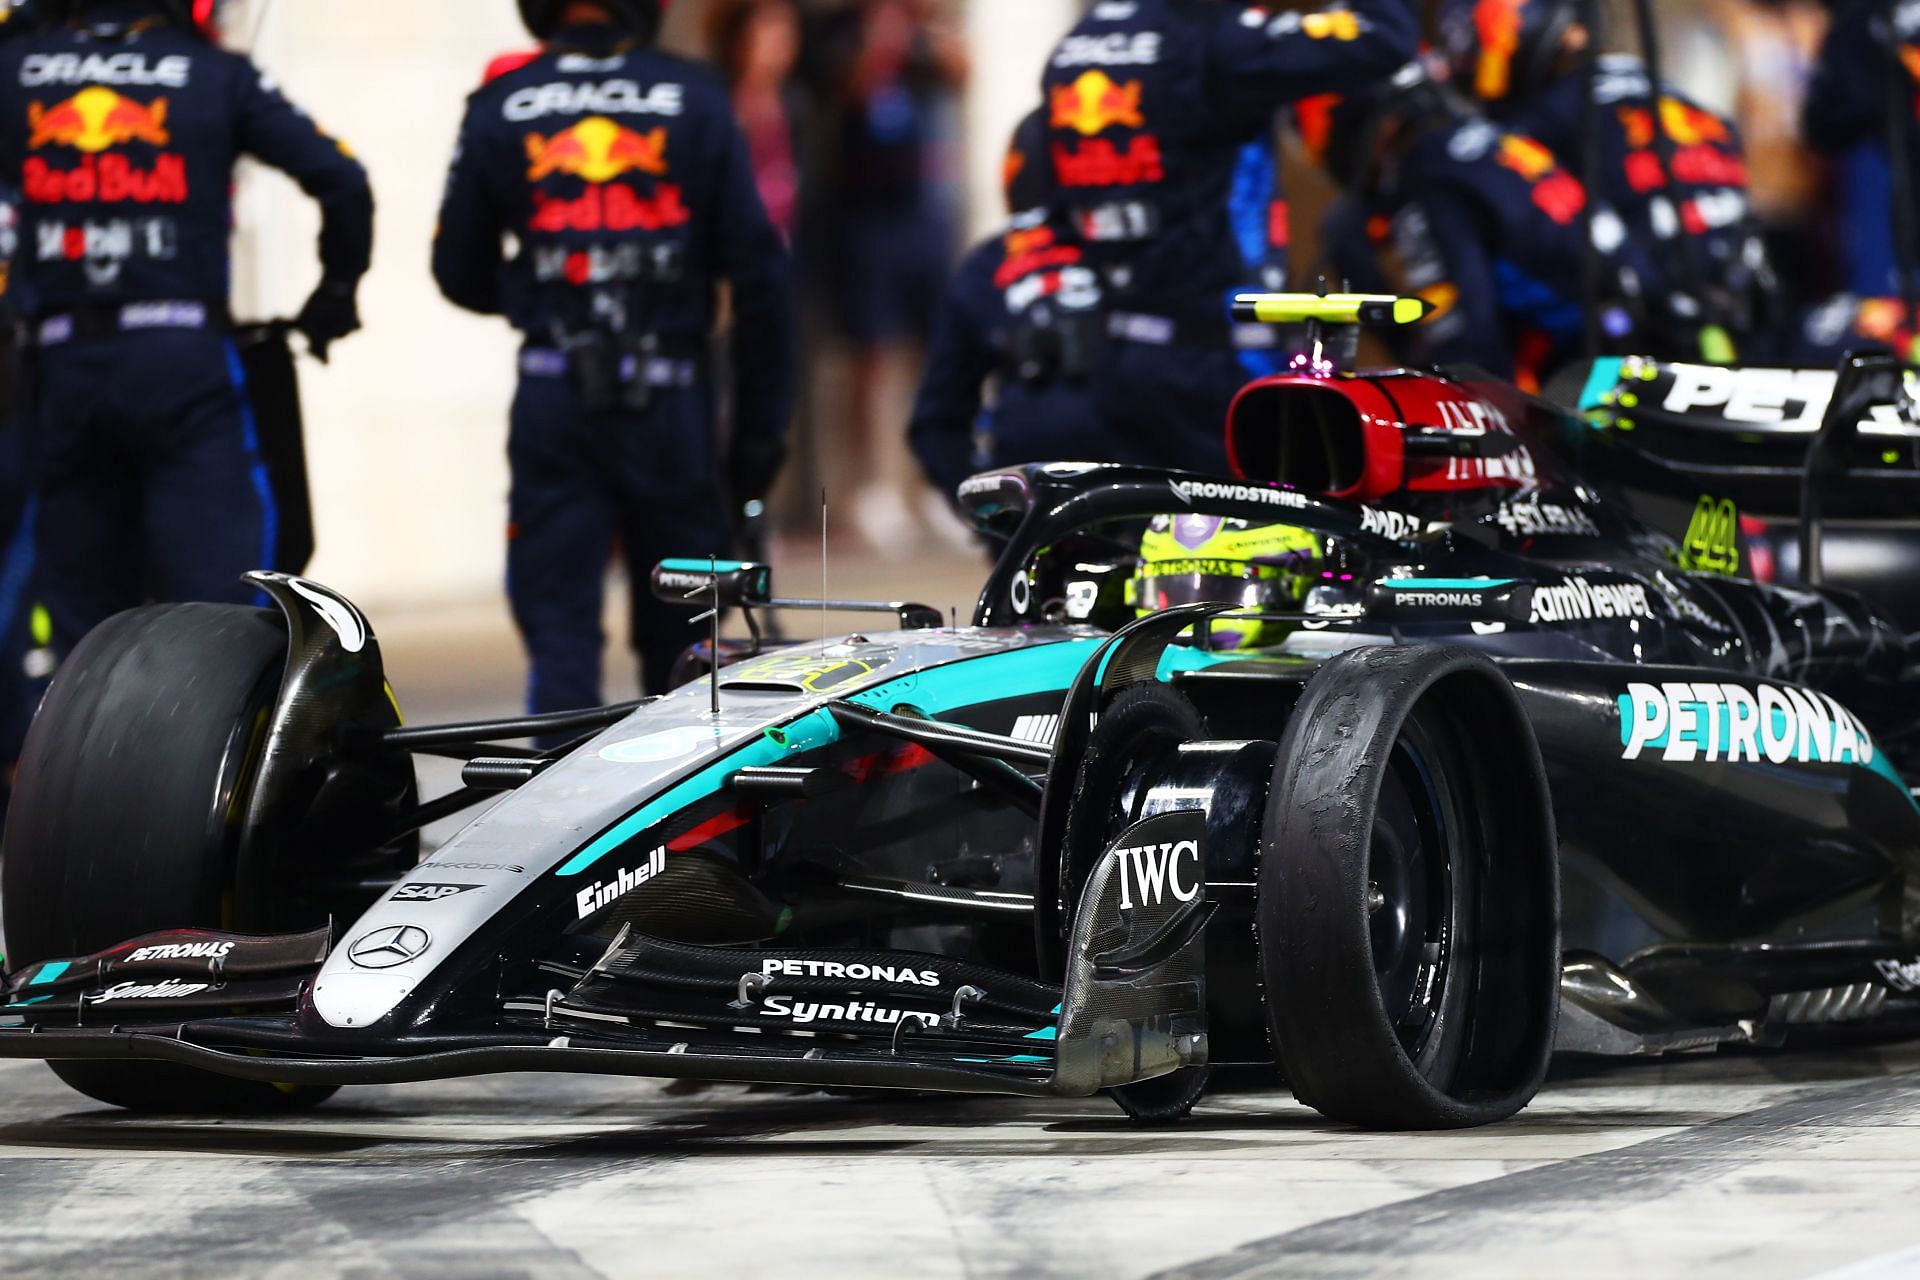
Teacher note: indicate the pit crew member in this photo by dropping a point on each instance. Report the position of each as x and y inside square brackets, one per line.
[121, 124]
[620, 175]
[1161, 115]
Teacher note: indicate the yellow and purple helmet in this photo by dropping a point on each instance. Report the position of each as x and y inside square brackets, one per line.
[1194, 559]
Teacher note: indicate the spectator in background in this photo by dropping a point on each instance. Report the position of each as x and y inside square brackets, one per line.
[1773, 43]
[886, 236]
[757, 46]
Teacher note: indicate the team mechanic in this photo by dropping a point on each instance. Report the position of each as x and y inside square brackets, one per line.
[1680, 186]
[1161, 115]
[621, 174]
[1866, 89]
[121, 124]
[19, 691]
[1481, 223]
[1023, 313]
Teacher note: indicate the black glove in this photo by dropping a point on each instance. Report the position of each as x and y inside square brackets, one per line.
[330, 315]
[752, 467]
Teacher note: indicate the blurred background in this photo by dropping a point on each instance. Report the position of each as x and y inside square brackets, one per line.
[407, 427]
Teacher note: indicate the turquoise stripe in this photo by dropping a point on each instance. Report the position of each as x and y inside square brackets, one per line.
[1604, 378]
[703, 566]
[1446, 584]
[1045, 668]
[1044, 1033]
[990, 678]
[816, 729]
[50, 973]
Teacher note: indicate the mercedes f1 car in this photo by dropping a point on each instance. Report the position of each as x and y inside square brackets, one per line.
[1486, 774]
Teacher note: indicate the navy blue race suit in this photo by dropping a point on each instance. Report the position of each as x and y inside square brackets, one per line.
[1694, 224]
[122, 134]
[1022, 313]
[1847, 101]
[622, 177]
[1848, 105]
[1489, 229]
[1161, 117]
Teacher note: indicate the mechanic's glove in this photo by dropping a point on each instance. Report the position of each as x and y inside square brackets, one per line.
[330, 315]
[752, 467]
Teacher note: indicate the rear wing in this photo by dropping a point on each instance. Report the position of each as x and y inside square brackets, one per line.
[1751, 434]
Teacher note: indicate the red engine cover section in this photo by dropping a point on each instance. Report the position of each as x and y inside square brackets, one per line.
[1381, 439]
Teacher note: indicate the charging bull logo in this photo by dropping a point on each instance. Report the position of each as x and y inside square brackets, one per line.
[1094, 103]
[597, 150]
[96, 120]
[1090, 106]
[1687, 125]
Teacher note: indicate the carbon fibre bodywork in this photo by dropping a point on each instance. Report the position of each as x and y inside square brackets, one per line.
[863, 869]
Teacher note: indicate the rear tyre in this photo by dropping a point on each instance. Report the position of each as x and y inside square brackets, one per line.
[1409, 894]
[127, 814]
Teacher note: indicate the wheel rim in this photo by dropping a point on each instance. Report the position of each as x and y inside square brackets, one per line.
[1410, 898]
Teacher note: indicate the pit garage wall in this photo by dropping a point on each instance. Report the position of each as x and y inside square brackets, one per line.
[407, 427]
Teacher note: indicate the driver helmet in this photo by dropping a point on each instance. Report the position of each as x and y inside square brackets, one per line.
[1198, 559]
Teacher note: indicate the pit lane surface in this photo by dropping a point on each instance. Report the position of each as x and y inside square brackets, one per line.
[1757, 1166]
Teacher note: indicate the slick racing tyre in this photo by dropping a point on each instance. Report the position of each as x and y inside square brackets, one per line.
[1409, 894]
[126, 814]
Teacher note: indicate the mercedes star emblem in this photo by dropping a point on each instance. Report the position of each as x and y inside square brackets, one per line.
[394, 945]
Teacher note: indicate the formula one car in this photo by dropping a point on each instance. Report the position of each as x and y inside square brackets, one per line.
[1486, 775]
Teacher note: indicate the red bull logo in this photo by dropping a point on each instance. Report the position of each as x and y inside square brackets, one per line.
[612, 207]
[1702, 142]
[598, 150]
[97, 119]
[1687, 125]
[1094, 103]
[1526, 157]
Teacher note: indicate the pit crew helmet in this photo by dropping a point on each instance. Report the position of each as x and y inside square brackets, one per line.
[1198, 559]
[642, 16]
[1342, 132]
[19, 18]
[194, 15]
[1026, 172]
[1505, 50]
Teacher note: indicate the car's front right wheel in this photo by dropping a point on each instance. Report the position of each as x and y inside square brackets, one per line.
[1409, 894]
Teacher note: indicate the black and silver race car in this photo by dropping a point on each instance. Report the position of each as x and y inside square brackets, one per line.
[1491, 775]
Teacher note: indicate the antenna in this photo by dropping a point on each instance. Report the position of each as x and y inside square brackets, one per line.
[823, 568]
[713, 653]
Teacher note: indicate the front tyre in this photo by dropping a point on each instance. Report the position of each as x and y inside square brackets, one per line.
[1409, 894]
[127, 812]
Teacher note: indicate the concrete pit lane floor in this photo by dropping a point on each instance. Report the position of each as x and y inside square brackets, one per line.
[1789, 1165]
[1796, 1165]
